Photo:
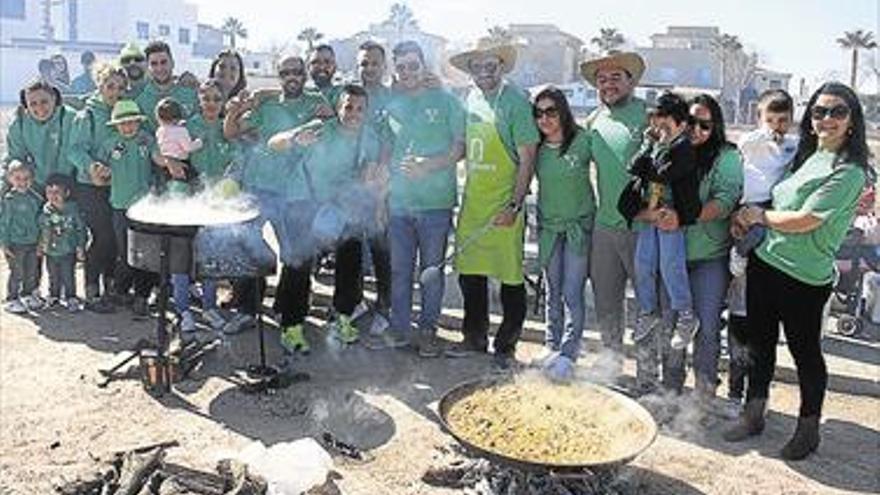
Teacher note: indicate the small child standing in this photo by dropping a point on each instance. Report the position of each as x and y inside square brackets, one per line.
[667, 166]
[174, 140]
[63, 237]
[766, 153]
[19, 233]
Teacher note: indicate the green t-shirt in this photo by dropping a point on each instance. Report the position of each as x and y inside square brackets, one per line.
[328, 95]
[616, 135]
[826, 191]
[62, 231]
[281, 114]
[566, 204]
[426, 123]
[266, 170]
[89, 131]
[513, 118]
[211, 160]
[131, 166]
[723, 184]
[19, 212]
[151, 94]
[334, 162]
[42, 145]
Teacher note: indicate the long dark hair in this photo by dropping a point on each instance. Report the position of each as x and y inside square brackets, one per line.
[242, 81]
[854, 148]
[566, 119]
[708, 152]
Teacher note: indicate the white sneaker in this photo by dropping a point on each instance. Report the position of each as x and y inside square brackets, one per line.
[187, 322]
[360, 310]
[73, 304]
[52, 301]
[238, 324]
[379, 325]
[685, 329]
[15, 307]
[214, 318]
[33, 302]
[546, 355]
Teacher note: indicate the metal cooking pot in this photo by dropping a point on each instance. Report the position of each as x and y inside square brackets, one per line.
[145, 246]
[465, 389]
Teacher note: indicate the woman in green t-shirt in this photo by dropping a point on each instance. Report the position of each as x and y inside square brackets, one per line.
[566, 207]
[790, 274]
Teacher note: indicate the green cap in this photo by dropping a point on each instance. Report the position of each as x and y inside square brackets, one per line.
[124, 111]
[130, 50]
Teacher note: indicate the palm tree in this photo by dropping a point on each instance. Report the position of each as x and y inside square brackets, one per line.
[401, 18]
[310, 35]
[609, 39]
[855, 41]
[233, 28]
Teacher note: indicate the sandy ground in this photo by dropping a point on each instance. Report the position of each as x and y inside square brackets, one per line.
[54, 419]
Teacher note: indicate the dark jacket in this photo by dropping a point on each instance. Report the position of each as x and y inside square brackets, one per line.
[676, 167]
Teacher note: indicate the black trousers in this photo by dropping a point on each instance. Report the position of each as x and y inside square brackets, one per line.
[773, 297]
[293, 294]
[738, 369]
[474, 289]
[380, 252]
[94, 203]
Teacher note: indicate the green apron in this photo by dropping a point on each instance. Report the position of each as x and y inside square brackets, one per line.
[491, 180]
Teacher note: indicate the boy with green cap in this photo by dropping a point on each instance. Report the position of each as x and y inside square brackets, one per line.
[128, 154]
[19, 233]
[63, 237]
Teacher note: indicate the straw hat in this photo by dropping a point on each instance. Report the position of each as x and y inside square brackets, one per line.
[485, 46]
[631, 62]
[124, 111]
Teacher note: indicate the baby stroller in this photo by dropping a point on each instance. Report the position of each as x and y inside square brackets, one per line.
[858, 267]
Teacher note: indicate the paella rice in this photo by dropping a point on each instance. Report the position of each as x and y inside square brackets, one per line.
[536, 421]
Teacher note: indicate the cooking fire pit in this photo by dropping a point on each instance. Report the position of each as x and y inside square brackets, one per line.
[160, 240]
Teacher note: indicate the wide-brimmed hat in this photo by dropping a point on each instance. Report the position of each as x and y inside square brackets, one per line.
[631, 62]
[506, 52]
[125, 111]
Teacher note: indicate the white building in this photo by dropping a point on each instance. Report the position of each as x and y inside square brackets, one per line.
[31, 30]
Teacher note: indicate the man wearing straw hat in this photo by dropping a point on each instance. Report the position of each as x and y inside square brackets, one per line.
[616, 129]
[501, 138]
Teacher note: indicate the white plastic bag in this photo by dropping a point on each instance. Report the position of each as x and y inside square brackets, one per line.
[290, 468]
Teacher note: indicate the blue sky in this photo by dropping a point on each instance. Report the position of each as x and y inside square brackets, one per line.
[796, 36]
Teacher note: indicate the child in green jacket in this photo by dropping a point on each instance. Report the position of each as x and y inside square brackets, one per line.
[63, 237]
[19, 232]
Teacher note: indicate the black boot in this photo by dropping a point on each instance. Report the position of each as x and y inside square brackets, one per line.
[750, 422]
[804, 441]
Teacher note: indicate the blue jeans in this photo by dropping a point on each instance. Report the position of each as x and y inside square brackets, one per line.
[566, 273]
[708, 280]
[62, 280]
[24, 271]
[421, 235]
[180, 287]
[663, 252]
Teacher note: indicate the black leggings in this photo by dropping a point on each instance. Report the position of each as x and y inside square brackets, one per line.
[94, 203]
[474, 290]
[773, 297]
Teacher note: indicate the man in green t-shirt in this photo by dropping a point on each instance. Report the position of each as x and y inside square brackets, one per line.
[616, 129]
[501, 139]
[322, 68]
[163, 83]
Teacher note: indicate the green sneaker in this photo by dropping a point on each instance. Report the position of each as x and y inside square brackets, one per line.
[346, 332]
[294, 340]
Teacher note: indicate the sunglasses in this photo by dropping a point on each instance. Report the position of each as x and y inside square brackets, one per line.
[131, 60]
[704, 124]
[550, 112]
[291, 72]
[411, 66]
[837, 112]
[490, 67]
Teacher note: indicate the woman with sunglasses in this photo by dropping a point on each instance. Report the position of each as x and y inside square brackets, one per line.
[566, 207]
[791, 272]
[708, 240]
